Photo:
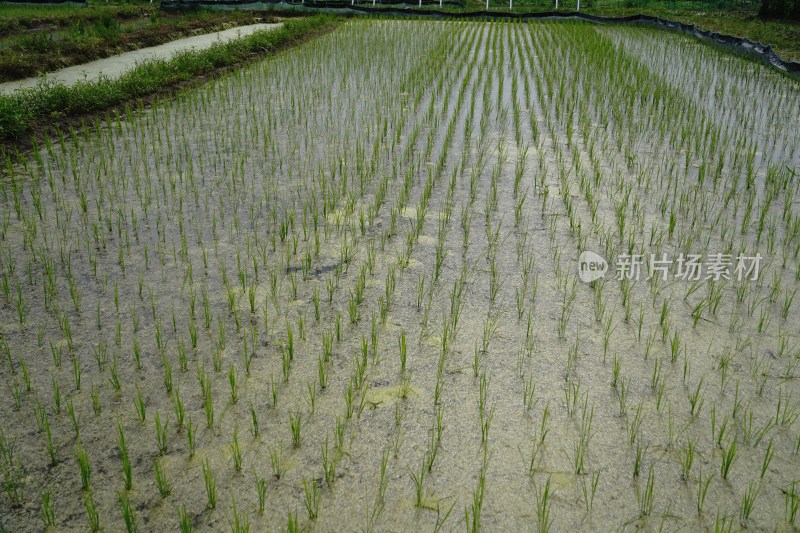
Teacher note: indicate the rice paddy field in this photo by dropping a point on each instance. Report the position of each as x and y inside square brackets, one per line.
[340, 290]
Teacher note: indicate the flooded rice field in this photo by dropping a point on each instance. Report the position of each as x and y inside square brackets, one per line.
[413, 276]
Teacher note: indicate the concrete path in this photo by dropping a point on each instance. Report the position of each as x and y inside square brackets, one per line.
[115, 66]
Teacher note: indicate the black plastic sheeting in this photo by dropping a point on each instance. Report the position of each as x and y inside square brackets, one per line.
[745, 46]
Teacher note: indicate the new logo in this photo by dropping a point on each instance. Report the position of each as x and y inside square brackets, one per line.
[591, 267]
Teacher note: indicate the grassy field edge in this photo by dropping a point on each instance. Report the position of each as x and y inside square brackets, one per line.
[27, 111]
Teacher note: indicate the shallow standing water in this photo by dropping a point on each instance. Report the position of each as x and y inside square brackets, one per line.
[246, 259]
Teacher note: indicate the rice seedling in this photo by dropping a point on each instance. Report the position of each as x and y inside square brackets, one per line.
[728, 456]
[128, 512]
[696, 399]
[210, 482]
[403, 351]
[748, 502]
[208, 407]
[97, 406]
[162, 482]
[91, 512]
[233, 384]
[54, 350]
[114, 376]
[646, 496]
[76, 372]
[277, 462]
[52, 449]
[261, 489]
[161, 435]
[16, 394]
[190, 439]
[581, 447]
[311, 387]
[84, 467]
[236, 451]
[139, 405]
[792, 504]
[544, 520]
[589, 490]
[239, 524]
[768, 455]
[184, 520]
[473, 512]
[312, 497]
[687, 460]
[635, 424]
[126, 463]
[48, 509]
[26, 379]
[528, 395]
[292, 526]
[641, 449]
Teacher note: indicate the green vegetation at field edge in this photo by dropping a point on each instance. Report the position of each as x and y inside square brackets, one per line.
[21, 18]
